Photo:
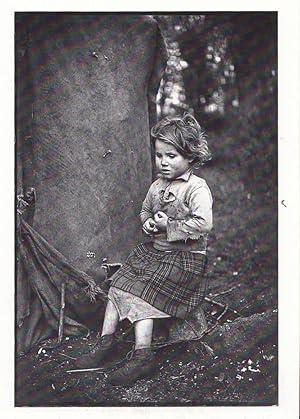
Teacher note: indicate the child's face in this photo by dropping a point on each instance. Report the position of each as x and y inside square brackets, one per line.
[169, 162]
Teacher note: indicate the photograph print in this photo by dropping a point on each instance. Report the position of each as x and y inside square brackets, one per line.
[146, 183]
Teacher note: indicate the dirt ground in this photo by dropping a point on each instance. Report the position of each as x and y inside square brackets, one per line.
[242, 272]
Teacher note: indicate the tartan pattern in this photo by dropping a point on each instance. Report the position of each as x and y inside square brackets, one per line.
[173, 282]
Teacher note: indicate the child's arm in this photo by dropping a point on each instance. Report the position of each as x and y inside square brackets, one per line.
[200, 221]
[146, 214]
[146, 211]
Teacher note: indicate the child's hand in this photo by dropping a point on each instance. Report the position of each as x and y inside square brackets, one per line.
[149, 227]
[161, 220]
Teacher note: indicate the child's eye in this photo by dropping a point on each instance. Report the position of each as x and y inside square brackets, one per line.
[158, 155]
[172, 156]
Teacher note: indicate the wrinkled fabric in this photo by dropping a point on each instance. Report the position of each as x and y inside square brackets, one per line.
[133, 308]
[41, 270]
[187, 201]
[173, 282]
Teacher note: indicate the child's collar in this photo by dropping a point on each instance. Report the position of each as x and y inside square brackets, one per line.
[185, 176]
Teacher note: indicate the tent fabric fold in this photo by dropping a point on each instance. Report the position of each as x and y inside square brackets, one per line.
[41, 270]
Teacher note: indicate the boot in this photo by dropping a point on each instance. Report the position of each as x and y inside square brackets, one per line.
[140, 364]
[96, 355]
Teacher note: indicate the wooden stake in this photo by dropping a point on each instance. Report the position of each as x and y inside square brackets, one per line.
[61, 313]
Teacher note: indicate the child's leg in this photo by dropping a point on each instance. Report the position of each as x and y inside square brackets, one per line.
[103, 347]
[142, 362]
[143, 333]
[111, 319]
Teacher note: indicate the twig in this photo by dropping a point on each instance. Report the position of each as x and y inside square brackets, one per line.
[77, 382]
[226, 291]
[59, 365]
[67, 356]
[47, 362]
[87, 370]
[61, 313]
[209, 300]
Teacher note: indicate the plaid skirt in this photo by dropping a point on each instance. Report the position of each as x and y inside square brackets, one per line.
[173, 282]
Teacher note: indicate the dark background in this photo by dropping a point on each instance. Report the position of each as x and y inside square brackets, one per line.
[223, 67]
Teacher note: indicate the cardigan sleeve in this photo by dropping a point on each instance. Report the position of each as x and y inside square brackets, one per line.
[146, 211]
[200, 220]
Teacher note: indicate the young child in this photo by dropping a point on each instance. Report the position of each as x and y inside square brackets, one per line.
[164, 277]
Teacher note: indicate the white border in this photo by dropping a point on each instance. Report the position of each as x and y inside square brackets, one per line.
[289, 88]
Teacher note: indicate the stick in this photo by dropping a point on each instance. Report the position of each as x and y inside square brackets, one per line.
[86, 370]
[61, 313]
[67, 356]
[226, 291]
[209, 300]
[61, 320]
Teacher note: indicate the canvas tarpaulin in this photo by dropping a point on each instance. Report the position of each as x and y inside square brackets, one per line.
[85, 90]
[41, 270]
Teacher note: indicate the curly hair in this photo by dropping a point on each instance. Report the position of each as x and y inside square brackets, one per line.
[185, 134]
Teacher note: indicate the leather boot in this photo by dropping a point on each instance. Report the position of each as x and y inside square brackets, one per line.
[140, 363]
[96, 355]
